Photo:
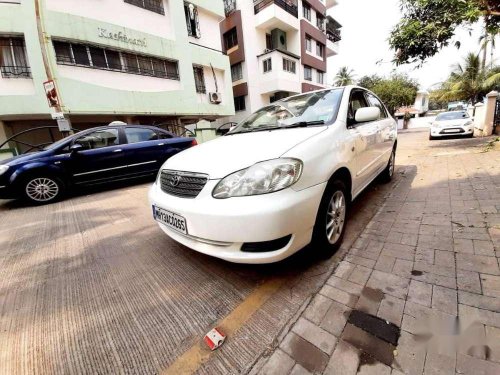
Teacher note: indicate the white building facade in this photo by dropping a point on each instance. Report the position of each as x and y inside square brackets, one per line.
[139, 61]
[276, 48]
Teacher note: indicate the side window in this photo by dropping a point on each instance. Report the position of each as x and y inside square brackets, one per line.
[162, 135]
[135, 135]
[99, 139]
[375, 102]
[356, 102]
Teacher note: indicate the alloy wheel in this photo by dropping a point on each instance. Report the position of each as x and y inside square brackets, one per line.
[335, 217]
[42, 189]
[391, 164]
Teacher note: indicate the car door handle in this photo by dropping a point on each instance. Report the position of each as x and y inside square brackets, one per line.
[161, 144]
[118, 150]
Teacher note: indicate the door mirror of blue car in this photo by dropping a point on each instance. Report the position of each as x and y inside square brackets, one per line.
[76, 148]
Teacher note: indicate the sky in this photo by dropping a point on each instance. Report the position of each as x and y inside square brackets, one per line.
[366, 28]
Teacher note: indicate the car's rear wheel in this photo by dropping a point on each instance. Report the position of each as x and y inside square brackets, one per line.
[330, 223]
[41, 189]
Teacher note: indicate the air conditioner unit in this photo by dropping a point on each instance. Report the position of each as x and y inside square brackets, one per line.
[215, 97]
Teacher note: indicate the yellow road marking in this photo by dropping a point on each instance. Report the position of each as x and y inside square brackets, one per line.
[199, 353]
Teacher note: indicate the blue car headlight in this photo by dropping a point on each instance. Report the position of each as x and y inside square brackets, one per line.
[3, 169]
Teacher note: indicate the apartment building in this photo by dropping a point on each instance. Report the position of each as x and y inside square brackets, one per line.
[277, 48]
[139, 61]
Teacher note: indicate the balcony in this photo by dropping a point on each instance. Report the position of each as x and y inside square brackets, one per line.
[229, 7]
[288, 5]
[333, 36]
[281, 14]
[281, 75]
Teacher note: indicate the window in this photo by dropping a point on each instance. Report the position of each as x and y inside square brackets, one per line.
[99, 139]
[306, 11]
[356, 102]
[135, 135]
[321, 77]
[152, 5]
[192, 20]
[375, 102]
[13, 60]
[320, 21]
[239, 103]
[230, 39]
[289, 66]
[236, 72]
[199, 79]
[307, 73]
[268, 66]
[320, 49]
[309, 47]
[106, 59]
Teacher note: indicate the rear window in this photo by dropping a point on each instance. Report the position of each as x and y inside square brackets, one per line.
[452, 116]
[135, 135]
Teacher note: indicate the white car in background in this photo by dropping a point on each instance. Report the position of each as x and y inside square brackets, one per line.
[452, 123]
[282, 179]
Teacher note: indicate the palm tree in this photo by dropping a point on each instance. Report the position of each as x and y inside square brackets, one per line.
[488, 38]
[469, 80]
[344, 77]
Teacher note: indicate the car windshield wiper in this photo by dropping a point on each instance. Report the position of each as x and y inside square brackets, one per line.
[303, 124]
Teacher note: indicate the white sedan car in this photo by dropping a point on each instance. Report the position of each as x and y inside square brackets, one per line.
[282, 179]
[452, 123]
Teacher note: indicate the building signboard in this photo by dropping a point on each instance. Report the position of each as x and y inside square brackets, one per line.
[121, 37]
[51, 93]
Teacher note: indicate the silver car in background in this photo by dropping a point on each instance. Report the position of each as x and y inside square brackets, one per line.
[452, 123]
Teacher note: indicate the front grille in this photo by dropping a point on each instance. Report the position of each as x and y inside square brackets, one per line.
[455, 131]
[182, 184]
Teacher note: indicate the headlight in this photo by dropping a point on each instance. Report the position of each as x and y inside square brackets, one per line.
[261, 178]
[468, 123]
[3, 169]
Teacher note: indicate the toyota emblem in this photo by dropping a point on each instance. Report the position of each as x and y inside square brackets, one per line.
[176, 180]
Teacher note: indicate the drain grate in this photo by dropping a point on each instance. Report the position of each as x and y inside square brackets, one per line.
[377, 327]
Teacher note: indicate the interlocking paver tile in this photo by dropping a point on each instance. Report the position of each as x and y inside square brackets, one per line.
[479, 301]
[444, 299]
[335, 319]
[318, 308]
[391, 309]
[278, 364]
[468, 281]
[390, 284]
[491, 285]
[315, 335]
[478, 263]
[420, 292]
[304, 353]
[344, 361]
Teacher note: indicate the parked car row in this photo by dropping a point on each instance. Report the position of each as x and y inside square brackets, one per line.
[280, 180]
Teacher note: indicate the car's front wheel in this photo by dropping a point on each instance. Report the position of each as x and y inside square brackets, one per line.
[330, 223]
[43, 189]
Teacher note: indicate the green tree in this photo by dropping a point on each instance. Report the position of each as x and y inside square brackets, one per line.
[368, 82]
[429, 25]
[396, 91]
[344, 77]
[468, 81]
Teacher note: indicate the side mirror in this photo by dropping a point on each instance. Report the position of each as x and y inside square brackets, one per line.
[76, 148]
[367, 114]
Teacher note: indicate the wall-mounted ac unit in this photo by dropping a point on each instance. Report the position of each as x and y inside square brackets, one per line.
[215, 97]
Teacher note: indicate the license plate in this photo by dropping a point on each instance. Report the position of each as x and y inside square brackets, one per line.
[452, 131]
[171, 220]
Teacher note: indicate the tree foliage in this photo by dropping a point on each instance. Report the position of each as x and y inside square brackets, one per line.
[429, 25]
[344, 77]
[395, 91]
[468, 81]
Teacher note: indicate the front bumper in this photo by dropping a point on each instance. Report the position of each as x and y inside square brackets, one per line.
[219, 227]
[456, 130]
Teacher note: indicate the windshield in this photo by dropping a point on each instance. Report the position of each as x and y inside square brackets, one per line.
[315, 109]
[452, 116]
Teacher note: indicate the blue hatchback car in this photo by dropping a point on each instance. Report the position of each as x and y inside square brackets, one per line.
[90, 157]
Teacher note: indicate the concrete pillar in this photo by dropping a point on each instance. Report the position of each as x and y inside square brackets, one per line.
[489, 116]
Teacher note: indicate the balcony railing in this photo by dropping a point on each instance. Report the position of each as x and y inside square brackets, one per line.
[288, 5]
[229, 6]
[333, 35]
[15, 71]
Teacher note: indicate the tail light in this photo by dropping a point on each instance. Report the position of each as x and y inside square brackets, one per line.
[194, 143]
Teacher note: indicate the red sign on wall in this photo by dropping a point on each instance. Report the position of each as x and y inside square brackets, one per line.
[51, 93]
